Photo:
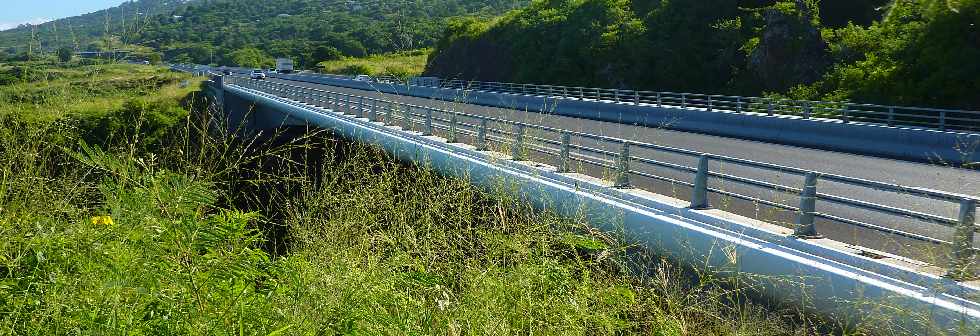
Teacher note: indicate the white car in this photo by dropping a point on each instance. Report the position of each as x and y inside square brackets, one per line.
[273, 71]
[257, 74]
[362, 78]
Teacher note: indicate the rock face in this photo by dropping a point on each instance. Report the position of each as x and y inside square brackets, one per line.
[790, 50]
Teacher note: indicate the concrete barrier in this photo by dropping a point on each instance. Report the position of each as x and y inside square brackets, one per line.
[816, 274]
[903, 143]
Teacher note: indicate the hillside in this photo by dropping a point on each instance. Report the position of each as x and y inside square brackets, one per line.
[88, 31]
[212, 31]
[895, 52]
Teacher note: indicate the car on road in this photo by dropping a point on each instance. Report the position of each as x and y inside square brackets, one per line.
[362, 78]
[257, 74]
[273, 71]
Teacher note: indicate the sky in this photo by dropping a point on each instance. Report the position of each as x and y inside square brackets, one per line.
[16, 12]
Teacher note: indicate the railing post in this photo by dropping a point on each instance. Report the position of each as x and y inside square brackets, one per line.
[360, 111]
[660, 102]
[806, 110]
[769, 110]
[636, 97]
[623, 167]
[845, 115]
[962, 263]
[616, 94]
[738, 104]
[517, 152]
[428, 122]
[683, 100]
[481, 135]
[407, 118]
[942, 120]
[581, 93]
[699, 196]
[361, 107]
[710, 103]
[805, 227]
[891, 116]
[374, 111]
[452, 138]
[566, 151]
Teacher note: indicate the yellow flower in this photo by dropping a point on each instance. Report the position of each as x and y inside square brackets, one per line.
[102, 220]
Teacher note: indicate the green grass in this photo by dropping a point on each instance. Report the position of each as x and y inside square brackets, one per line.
[302, 233]
[399, 64]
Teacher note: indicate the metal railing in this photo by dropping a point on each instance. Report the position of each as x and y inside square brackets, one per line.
[619, 156]
[845, 112]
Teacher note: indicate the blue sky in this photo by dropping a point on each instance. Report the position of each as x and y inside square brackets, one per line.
[15, 12]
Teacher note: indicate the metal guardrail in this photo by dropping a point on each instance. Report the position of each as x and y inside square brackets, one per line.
[487, 130]
[845, 112]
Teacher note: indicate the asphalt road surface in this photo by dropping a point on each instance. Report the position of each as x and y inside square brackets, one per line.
[905, 173]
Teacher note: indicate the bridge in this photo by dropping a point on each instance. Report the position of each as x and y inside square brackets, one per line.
[846, 227]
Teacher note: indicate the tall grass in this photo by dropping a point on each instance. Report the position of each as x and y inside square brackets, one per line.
[299, 232]
[399, 64]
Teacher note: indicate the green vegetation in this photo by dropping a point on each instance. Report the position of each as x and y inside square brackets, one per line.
[399, 64]
[129, 219]
[209, 32]
[910, 52]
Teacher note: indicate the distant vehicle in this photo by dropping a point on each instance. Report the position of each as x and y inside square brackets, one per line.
[226, 72]
[145, 62]
[273, 71]
[285, 65]
[362, 78]
[257, 74]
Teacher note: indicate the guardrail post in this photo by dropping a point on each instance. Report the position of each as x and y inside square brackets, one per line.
[710, 104]
[360, 111]
[623, 167]
[517, 153]
[481, 135]
[566, 151]
[845, 115]
[806, 110]
[452, 128]
[769, 108]
[891, 116]
[738, 104]
[427, 131]
[942, 120]
[636, 97]
[962, 263]
[407, 118]
[699, 196]
[683, 100]
[374, 110]
[581, 93]
[660, 101]
[805, 227]
[616, 95]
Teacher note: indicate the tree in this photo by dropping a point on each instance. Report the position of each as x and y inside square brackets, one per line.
[250, 57]
[65, 54]
[326, 53]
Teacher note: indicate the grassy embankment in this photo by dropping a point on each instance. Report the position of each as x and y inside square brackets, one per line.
[163, 231]
[399, 64]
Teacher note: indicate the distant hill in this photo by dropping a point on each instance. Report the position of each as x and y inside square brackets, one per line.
[80, 32]
[251, 32]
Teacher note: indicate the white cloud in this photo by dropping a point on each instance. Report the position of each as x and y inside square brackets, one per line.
[12, 25]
